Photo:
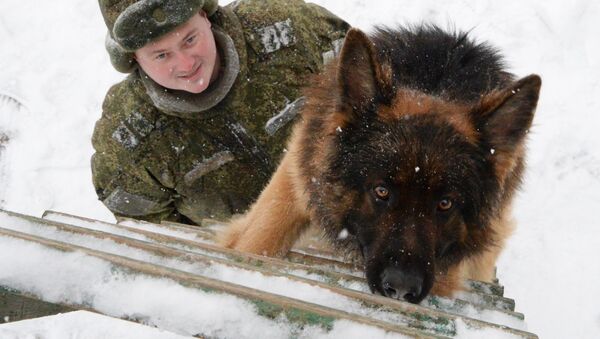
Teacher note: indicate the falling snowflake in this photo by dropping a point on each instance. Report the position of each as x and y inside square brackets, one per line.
[343, 234]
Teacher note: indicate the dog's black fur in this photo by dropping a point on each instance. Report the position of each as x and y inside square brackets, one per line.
[412, 141]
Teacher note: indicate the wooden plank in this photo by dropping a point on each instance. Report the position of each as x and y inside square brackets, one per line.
[327, 261]
[438, 323]
[318, 266]
[201, 231]
[269, 305]
[15, 306]
[315, 258]
[485, 287]
[353, 269]
[265, 264]
[301, 256]
[312, 256]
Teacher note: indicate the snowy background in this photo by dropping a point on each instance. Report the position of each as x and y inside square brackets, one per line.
[52, 59]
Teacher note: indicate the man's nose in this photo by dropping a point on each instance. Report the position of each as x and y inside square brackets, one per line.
[185, 62]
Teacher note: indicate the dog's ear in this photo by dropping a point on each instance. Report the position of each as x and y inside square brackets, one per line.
[504, 117]
[361, 77]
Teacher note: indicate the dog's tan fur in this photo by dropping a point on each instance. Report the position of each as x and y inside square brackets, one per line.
[281, 214]
[276, 220]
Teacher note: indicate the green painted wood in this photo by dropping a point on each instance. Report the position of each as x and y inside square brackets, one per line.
[269, 305]
[336, 273]
[15, 306]
[437, 323]
[333, 272]
[260, 262]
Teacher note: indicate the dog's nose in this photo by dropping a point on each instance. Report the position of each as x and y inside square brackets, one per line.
[400, 284]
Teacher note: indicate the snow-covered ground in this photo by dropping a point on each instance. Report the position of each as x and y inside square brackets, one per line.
[82, 324]
[52, 58]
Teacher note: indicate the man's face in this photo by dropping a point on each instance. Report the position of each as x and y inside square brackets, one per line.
[184, 59]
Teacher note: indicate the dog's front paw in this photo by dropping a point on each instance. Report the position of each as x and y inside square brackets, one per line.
[230, 235]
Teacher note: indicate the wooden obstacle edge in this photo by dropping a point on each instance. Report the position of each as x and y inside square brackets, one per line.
[490, 294]
[331, 270]
[269, 266]
[269, 305]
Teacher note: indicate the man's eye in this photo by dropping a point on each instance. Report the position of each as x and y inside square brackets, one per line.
[191, 40]
[161, 56]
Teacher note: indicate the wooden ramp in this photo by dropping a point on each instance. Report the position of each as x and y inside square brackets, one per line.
[187, 256]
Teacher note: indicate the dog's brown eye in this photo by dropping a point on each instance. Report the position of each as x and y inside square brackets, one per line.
[444, 205]
[381, 192]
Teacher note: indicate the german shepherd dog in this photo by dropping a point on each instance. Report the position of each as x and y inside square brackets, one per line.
[412, 144]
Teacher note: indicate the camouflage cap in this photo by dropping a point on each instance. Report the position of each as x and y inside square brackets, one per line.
[133, 23]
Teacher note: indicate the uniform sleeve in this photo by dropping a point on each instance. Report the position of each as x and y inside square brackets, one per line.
[123, 178]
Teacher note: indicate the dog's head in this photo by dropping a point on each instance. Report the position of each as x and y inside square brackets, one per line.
[422, 174]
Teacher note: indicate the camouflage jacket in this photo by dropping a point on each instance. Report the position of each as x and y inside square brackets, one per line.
[168, 157]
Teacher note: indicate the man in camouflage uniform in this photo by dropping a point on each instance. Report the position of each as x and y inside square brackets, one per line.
[179, 155]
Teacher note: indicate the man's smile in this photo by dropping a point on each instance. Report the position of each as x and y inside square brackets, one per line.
[192, 75]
